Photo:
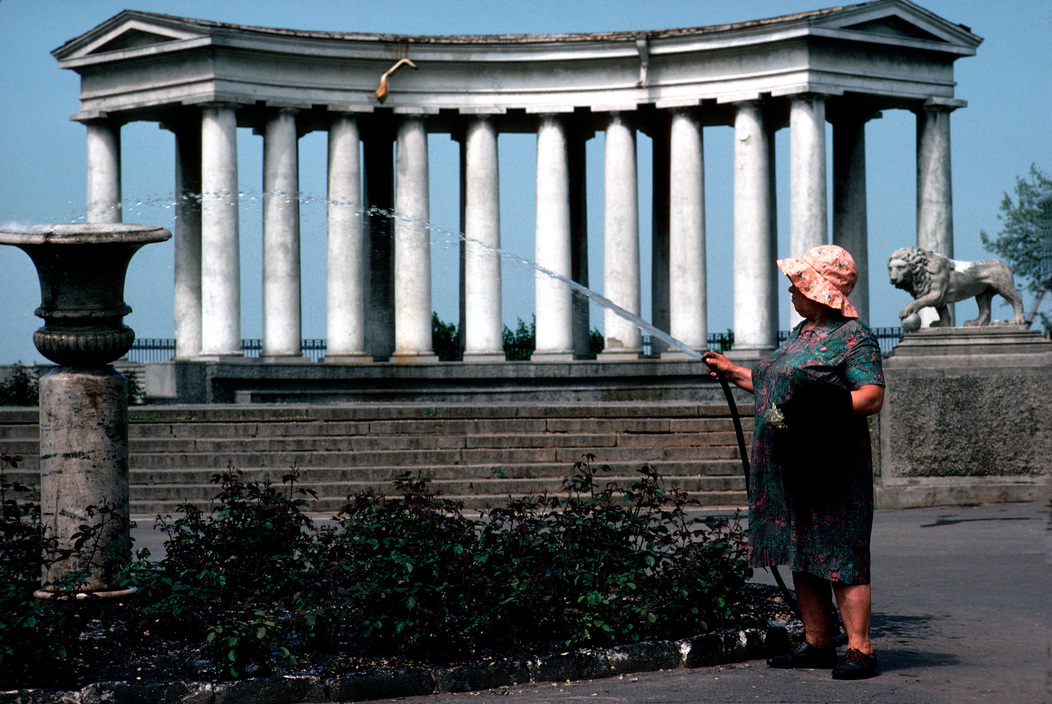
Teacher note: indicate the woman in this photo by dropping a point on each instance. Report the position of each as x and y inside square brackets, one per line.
[811, 488]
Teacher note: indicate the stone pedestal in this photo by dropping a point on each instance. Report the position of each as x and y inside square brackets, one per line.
[84, 478]
[967, 418]
[84, 402]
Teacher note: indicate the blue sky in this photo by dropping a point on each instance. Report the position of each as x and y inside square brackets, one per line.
[1004, 129]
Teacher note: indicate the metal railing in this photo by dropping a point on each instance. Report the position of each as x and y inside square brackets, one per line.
[152, 349]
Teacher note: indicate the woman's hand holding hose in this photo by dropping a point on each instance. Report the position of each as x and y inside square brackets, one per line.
[719, 366]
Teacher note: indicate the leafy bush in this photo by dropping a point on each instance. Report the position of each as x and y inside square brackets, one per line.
[253, 583]
[225, 577]
[605, 565]
[445, 340]
[20, 387]
[36, 637]
[402, 570]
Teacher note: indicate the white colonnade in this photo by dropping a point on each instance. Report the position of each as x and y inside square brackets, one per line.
[670, 85]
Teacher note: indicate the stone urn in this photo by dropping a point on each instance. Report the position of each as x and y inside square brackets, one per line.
[84, 401]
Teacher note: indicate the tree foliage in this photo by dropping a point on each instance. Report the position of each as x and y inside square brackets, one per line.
[1025, 240]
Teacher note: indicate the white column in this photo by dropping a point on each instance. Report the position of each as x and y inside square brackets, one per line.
[281, 238]
[687, 274]
[934, 191]
[345, 246]
[220, 245]
[807, 174]
[554, 301]
[104, 172]
[755, 318]
[483, 329]
[850, 227]
[621, 241]
[412, 244]
[187, 259]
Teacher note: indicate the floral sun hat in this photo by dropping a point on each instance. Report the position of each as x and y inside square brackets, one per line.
[826, 274]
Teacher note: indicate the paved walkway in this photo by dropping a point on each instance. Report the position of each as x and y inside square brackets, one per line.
[962, 604]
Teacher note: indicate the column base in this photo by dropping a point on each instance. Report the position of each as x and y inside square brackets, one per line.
[477, 357]
[414, 358]
[284, 359]
[355, 358]
[625, 354]
[225, 357]
[553, 356]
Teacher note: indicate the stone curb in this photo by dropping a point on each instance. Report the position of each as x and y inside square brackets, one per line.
[716, 648]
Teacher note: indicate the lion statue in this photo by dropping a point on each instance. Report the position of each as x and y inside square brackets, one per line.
[935, 281]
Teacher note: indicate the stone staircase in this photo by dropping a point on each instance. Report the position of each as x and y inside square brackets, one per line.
[478, 453]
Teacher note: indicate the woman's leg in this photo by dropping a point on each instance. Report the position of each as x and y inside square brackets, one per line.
[856, 610]
[816, 608]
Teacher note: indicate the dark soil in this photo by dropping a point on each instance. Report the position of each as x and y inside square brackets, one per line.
[111, 649]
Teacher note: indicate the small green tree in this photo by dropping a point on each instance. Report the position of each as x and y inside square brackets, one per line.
[445, 339]
[1025, 241]
[20, 387]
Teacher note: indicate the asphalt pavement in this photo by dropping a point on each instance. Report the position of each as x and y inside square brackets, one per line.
[962, 598]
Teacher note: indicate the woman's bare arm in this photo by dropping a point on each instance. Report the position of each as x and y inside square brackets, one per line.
[867, 400]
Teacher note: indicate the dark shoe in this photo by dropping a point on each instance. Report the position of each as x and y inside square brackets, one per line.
[856, 666]
[805, 656]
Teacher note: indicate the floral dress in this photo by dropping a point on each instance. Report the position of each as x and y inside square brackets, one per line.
[811, 489]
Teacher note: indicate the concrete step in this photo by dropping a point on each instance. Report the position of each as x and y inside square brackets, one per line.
[478, 452]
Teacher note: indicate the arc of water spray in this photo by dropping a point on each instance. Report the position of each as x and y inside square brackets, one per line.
[573, 285]
[635, 320]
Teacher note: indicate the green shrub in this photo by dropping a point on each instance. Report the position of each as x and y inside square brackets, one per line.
[231, 574]
[253, 583]
[20, 387]
[607, 565]
[401, 570]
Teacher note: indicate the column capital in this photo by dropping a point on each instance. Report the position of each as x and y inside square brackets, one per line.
[947, 105]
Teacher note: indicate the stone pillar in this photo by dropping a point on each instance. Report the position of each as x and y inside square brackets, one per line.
[104, 171]
[187, 259]
[934, 192]
[412, 244]
[808, 212]
[379, 232]
[346, 254]
[482, 328]
[554, 301]
[687, 272]
[84, 465]
[621, 241]
[220, 241]
[282, 317]
[659, 233]
[849, 202]
[755, 243]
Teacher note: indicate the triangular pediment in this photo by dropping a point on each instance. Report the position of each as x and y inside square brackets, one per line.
[900, 20]
[128, 31]
[132, 39]
[894, 27]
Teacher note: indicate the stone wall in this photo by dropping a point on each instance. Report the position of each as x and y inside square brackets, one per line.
[967, 418]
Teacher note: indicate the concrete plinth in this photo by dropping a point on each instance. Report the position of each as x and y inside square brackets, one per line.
[967, 418]
[84, 478]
